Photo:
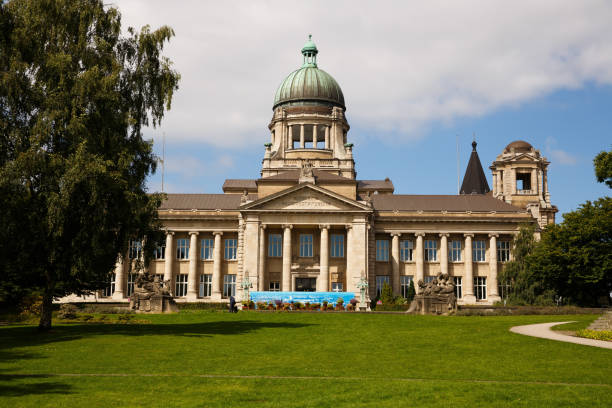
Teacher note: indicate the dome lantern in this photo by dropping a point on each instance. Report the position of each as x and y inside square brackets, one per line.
[309, 51]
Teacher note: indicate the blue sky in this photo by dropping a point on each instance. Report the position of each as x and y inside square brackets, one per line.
[414, 75]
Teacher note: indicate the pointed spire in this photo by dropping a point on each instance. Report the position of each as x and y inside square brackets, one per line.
[474, 181]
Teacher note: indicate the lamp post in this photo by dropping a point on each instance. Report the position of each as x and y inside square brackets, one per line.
[362, 285]
[246, 285]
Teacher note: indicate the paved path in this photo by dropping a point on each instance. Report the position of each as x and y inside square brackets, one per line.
[543, 330]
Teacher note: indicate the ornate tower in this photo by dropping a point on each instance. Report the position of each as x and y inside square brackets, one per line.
[520, 178]
[308, 123]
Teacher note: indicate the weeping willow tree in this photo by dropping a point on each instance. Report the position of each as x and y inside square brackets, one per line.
[75, 95]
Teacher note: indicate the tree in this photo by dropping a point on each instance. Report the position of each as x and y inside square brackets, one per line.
[411, 292]
[75, 95]
[603, 167]
[574, 258]
[526, 287]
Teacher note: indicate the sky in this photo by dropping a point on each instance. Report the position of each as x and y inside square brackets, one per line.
[419, 79]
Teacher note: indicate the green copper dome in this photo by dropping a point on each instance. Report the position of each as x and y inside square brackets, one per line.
[309, 84]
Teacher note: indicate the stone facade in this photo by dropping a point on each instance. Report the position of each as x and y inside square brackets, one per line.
[307, 223]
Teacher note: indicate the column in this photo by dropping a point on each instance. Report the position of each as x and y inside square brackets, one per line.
[314, 136]
[286, 280]
[324, 264]
[120, 268]
[468, 285]
[444, 253]
[290, 137]
[356, 254]
[169, 256]
[492, 285]
[534, 181]
[395, 265]
[192, 284]
[301, 136]
[513, 181]
[261, 276]
[327, 137]
[216, 278]
[420, 274]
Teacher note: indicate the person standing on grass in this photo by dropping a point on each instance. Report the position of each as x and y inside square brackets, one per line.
[232, 305]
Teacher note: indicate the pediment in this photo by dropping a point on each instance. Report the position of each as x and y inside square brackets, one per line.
[305, 198]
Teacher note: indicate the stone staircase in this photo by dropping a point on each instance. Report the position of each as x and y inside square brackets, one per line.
[604, 322]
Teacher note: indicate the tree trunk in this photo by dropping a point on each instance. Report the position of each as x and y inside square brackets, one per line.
[45, 311]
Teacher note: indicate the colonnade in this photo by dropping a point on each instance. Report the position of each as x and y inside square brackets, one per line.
[419, 259]
[314, 135]
[121, 267]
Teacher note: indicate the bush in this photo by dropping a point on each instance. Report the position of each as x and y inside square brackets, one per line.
[31, 305]
[67, 311]
[202, 306]
[386, 295]
[605, 335]
[392, 307]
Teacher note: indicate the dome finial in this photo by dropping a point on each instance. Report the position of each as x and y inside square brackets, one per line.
[309, 51]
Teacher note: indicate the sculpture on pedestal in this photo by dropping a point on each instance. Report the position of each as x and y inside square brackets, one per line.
[152, 295]
[435, 297]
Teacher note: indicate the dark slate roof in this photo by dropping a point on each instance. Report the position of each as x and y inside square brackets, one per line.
[294, 175]
[203, 201]
[453, 203]
[373, 185]
[239, 184]
[474, 181]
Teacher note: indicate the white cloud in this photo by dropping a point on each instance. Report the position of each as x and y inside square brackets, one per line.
[557, 155]
[401, 65]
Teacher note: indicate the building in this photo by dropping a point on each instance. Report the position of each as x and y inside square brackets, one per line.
[307, 223]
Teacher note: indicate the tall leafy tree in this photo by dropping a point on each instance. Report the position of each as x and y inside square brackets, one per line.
[574, 258]
[603, 167]
[75, 95]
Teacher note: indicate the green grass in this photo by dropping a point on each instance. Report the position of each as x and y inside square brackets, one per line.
[251, 359]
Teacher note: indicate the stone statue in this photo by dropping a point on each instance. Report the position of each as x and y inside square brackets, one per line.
[306, 173]
[152, 295]
[435, 297]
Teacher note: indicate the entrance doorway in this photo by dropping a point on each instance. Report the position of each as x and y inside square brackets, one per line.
[306, 284]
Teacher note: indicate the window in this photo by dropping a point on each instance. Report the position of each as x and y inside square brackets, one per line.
[160, 277]
[480, 287]
[337, 246]
[503, 289]
[337, 287]
[523, 183]
[181, 285]
[274, 286]
[479, 248]
[135, 249]
[205, 285]
[380, 282]
[110, 287]
[230, 248]
[130, 283]
[458, 287]
[503, 251]
[382, 250]
[431, 250]
[229, 285]
[160, 252]
[182, 248]
[428, 279]
[406, 251]
[306, 245]
[405, 284]
[454, 251]
[206, 249]
[275, 245]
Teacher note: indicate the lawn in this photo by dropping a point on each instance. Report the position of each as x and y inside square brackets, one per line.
[252, 359]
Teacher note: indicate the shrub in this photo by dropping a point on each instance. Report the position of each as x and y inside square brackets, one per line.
[315, 306]
[350, 307]
[354, 302]
[31, 305]
[67, 311]
[339, 301]
[386, 294]
[605, 335]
